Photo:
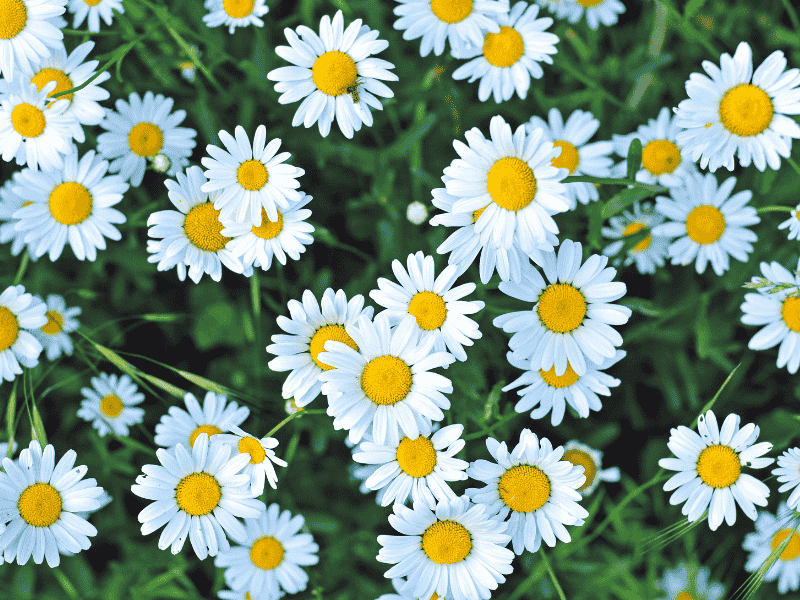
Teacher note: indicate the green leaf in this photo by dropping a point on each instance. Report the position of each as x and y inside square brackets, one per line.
[623, 200]
[692, 6]
[37, 426]
[634, 158]
[11, 412]
[412, 136]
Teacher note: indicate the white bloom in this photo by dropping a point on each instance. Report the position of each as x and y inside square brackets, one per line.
[28, 30]
[788, 473]
[689, 579]
[771, 532]
[215, 416]
[590, 459]
[793, 223]
[648, 253]
[9, 204]
[19, 312]
[261, 455]
[597, 11]
[60, 321]
[416, 213]
[235, 13]
[111, 404]
[94, 9]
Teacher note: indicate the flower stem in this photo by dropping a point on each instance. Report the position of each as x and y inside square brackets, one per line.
[790, 160]
[298, 414]
[764, 209]
[22, 266]
[609, 181]
[255, 297]
[546, 562]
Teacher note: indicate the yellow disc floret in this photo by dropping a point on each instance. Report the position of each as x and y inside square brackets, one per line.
[705, 224]
[198, 494]
[209, 430]
[111, 406]
[334, 72]
[636, 228]
[268, 230]
[589, 3]
[146, 139]
[266, 553]
[569, 157]
[63, 82]
[561, 307]
[336, 333]
[505, 48]
[792, 550]
[40, 505]
[451, 11]
[93, 2]
[790, 311]
[581, 458]
[254, 448]
[55, 322]
[446, 542]
[559, 381]
[684, 595]
[661, 156]
[27, 120]
[416, 457]
[477, 214]
[9, 328]
[386, 380]
[13, 17]
[746, 110]
[429, 309]
[202, 227]
[719, 466]
[252, 175]
[524, 488]
[70, 203]
[238, 9]
[511, 183]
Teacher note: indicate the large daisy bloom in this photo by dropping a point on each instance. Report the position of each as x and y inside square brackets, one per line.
[788, 473]
[709, 465]
[310, 324]
[40, 499]
[261, 454]
[110, 404]
[268, 562]
[235, 13]
[711, 224]
[72, 206]
[771, 532]
[571, 318]
[28, 31]
[9, 204]
[651, 251]
[689, 581]
[19, 313]
[590, 459]
[60, 321]
[738, 111]
[196, 494]
[141, 129]
[335, 74]
[215, 416]
[435, 307]
[94, 10]
[534, 486]
[597, 11]
[386, 383]
[793, 223]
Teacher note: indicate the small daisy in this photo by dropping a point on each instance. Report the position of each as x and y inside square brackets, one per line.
[455, 550]
[651, 251]
[27, 31]
[571, 316]
[71, 206]
[196, 494]
[711, 225]
[261, 455]
[268, 561]
[9, 204]
[771, 531]
[710, 469]
[597, 11]
[688, 581]
[40, 499]
[788, 473]
[19, 313]
[140, 129]
[94, 9]
[738, 111]
[235, 13]
[308, 329]
[216, 416]
[192, 235]
[334, 73]
[111, 404]
[60, 321]
[590, 459]
[553, 392]
[793, 223]
[434, 307]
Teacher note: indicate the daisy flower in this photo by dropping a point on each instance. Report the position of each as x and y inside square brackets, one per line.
[261, 454]
[95, 10]
[571, 316]
[9, 204]
[70, 205]
[590, 459]
[308, 328]
[793, 223]
[597, 11]
[709, 466]
[434, 307]
[235, 13]
[553, 392]
[268, 561]
[40, 499]
[19, 313]
[215, 416]
[192, 235]
[772, 531]
[711, 224]
[738, 111]
[60, 321]
[689, 581]
[788, 473]
[143, 128]
[196, 494]
[648, 253]
[534, 486]
[111, 404]
[386, 383]
[334, 73]
[27, 31]
[455, 550]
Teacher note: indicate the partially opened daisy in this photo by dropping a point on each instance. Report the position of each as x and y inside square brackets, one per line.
[215, 416]
[456, 550]
[19, 313]
[709, 222]
[94, 10]
[590, 459]
[788, 473]
[793, 223]
[334, 73]
[738, 111]
[60, 321]
[27, 32]
[235, 13]
[771, 532]
[597, 11]
[687, 581]
[9, 204]
[259, 469]
[110, 404]
[648, 253]
[709, 466]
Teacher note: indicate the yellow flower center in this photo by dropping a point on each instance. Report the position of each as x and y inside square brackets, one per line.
[446, 542]
[146, 139]
[336, 333]
[209, 430]
[266, 553]
[790, 311]
[54, 323]
[9, 328]
[636, 228]
[719, 466]
[252, 175]
[203, 228]
[559, 381]
[429, 310]
[451, 11]
[198, 494]
[238, 9]
[111, 406]
[511, 183]
[93, 2]
[254, 448]
[569, 157]
[386, 380]
[416, 457]
[13, 16]
[561, 307]
[524, 488]
[268, 230]
[661, 156]
[63, 82]
[589, 3]
[792, 550]
[705, 224]
[505, 48]
[746, 110]
[477, 214]
[581, 458]
[684, 595]
[40, 505]
[334, 72]
[27, 120]
[70, 203]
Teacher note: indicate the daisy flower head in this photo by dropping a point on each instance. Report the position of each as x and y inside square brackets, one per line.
[60, 321]
[9, 204]
[141, 129]
[597, 11]
[110, 404]
[268, 562]
[235, 13]
[545, 391]
[709, 222]
[709, 465]
[570, 322]
[335, 73]
[577, 155]
[214, 417]
[27, 31]
[793, 223]
[71, 205]
[590, 459]
[42, 498]
[689, 581]
[261, 454]
[196, 493]
[19, 314]
[650, 252]
[738, 111]
[386, 383]
[456, 550]
[771, 532]
[788, 473]
[94, 10]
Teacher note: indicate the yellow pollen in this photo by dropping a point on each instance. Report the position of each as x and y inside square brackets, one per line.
[26, 203]
[792, 550]
[266, 553]
[254, 448]
[661, 156]
[111, 406]
[746, 110]
[336, 333]
[429, 310]
[708, 125]
[581, 458]
[435, 596]
[238, 9]
[54, 322]
[477, 214]
[27, 120]
[63, 82]
[451, 11]
[503, 49]
[9, 328]
[559, 381]
[209, 430]
[40, 505]
[684, 595]
[446, 542]
[70, 203]
[386, 380]
[13, 17]
[562, 307]
[569, 157]
[589, 3]
[146, 139]
[719, 466]
[268, 230]
[636, 228]
[198, 494]
[93, 2]
[511, 183]
[416, 457]
[203, 228]
[524, 488]
[334, 72]
[790, 311]
[252, 175]
[705, 224]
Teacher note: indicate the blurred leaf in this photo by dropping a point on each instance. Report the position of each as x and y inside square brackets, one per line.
[634, 161]
[623, 200]
[216, 325]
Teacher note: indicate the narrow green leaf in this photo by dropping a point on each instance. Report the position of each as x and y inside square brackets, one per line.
[37, 426]
[692, 6]
[634, 158]
[412, 136]
[11, 412]
[164, 385]
[206, 384]
[623, 200]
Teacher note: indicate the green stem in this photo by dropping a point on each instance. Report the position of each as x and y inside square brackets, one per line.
[255, 298]
[765, 209]
[118, 56]
[298, 414]
[547, 566]
[609, 181]
[488, 430]
[87, 32]
[66, 583]
[793, 164]
[792, 15]
[22, 267]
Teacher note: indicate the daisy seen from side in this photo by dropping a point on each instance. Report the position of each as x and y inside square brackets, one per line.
[792, 223]
[788, 473]
[771, 532]
[590, 459]
[60, 322]
[28, 31]
[235, 13]
[216, 415]
[687, 581]
[648, 253]
[111, 404]
[92, 11]
[19, 314]
[259, 468]
[597, 11]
